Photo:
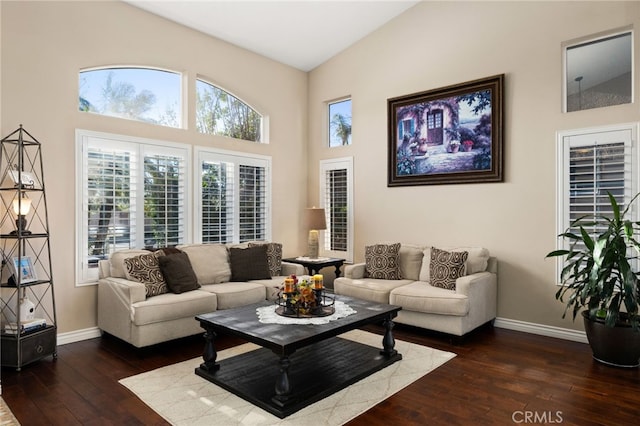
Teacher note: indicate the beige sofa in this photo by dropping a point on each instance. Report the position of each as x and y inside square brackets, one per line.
[453, 311]
[125, 311]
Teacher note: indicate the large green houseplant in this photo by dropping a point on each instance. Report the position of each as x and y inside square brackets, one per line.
[600, 282]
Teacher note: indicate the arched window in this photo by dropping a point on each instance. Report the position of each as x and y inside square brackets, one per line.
[135, 93]
[220, 113]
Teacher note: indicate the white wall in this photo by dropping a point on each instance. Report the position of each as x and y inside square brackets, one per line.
[436, 44]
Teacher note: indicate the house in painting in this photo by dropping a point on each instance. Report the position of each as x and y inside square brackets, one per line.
[427, 124]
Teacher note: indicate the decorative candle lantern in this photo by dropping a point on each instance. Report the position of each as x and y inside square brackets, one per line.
[289, 284]
[318, 282]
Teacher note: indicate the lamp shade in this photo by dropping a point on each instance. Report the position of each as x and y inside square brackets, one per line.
[316, 219]
[21, 204]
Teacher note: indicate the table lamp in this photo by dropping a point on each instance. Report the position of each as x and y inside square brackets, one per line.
[315, 222]
[21, 208]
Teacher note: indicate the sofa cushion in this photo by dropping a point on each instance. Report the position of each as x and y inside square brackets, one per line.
[477, 261]
[374, 290]
[410, 258]
[178, 273]
[421, 297]
[249, 263]
[144, 268]
[446, 267]
[382, 261]
[171, 306]
[210, 262]
[116, 261]
[478, 258]
[274, 257]
[233, 294]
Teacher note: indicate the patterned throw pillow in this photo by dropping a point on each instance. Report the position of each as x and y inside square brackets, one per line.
[145, 269]
[274, 257]
[446, 267]
[382, 261]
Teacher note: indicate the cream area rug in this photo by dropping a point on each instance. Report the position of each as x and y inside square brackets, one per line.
[6, 416]
[183, 398]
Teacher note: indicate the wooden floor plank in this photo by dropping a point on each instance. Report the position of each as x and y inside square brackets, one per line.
[496, 375]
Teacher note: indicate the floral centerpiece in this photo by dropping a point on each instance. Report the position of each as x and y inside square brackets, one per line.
[303, 297]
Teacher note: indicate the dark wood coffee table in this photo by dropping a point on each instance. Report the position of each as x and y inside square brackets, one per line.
[310, 362]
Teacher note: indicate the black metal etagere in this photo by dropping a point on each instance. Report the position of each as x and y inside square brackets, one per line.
[28, 309]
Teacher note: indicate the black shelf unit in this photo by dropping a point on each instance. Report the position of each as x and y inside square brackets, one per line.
[26, 280]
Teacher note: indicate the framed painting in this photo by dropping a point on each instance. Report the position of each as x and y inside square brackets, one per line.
[448, 135]
[23, 266]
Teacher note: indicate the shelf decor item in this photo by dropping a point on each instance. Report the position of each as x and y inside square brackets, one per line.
[304, 298]
[27, 305]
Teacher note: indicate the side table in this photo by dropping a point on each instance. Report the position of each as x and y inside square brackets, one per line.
[315, 265]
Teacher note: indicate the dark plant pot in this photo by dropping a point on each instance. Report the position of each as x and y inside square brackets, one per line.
[618, 346]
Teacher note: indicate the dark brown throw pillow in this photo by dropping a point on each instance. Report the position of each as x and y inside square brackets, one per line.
[274, 257]
[178, 272]
[249, 263]
[446, 267]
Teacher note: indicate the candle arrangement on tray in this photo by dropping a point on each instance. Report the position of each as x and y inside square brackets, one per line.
[304, 298]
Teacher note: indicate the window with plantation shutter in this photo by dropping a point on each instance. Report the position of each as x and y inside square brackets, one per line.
[336, 192]
[593, 163]
[131, 194]
[234, 202]
[163, 200]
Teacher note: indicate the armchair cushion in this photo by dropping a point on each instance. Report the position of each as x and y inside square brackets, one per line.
[382, 261]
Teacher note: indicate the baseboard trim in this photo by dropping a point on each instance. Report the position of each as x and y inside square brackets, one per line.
[78, 335]
[506, 323]
[543, 330]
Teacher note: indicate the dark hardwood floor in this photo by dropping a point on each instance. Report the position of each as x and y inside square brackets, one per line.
[499, 377]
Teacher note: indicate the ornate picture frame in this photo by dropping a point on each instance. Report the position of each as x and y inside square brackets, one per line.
[449, 135]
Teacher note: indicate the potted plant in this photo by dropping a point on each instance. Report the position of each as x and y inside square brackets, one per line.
[453, 147]
[600, 282]
[467, 145]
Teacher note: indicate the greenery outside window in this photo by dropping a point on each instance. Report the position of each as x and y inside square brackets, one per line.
[134, 93]
[220, 113]
[234, 200]
[336, 197]
[131, 193]
[340, 123]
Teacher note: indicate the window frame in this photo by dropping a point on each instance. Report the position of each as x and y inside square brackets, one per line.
[330, 119]
[563, 147]
[89, 276]
[181, 102]
[264, 121]
[326, 166]
[202, 154]
[592, 40]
